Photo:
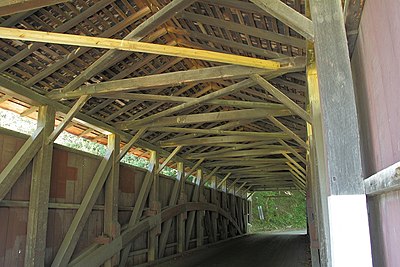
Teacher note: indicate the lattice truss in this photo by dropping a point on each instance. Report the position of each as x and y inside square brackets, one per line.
[246, 124]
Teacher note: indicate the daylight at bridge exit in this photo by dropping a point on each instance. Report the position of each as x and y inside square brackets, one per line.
[190, 133]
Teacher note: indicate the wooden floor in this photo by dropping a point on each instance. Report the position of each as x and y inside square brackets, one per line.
[267, 250]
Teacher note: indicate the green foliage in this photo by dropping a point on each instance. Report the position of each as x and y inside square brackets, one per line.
[282, 211]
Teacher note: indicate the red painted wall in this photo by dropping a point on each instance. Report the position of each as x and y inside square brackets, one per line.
[376, 72]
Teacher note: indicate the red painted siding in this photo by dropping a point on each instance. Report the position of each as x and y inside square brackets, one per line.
[376, 70]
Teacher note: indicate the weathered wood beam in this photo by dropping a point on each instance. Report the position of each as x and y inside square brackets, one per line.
[237, 27]
[180, 99]
[384, 181]
[154, 209]
[168, 159]
[20, 161]
[181, 228]
[298, 166]
[248, 153]
[293, 151]
[68, 118]
[244, 162]
[172, 79]
[71, 238]
[197, 101]
[114, 56]
[9, 7]
[288, 16]
[133, 46]
[131, 142]
[216, 140]
[210, 117]
[289, 132]
[192, 214]
[194, 168]
[111, 195]
[281, 97]
[39, 194]
[224, 180]
[267, 136]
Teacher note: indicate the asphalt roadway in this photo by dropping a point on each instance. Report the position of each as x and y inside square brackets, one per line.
[288, 249]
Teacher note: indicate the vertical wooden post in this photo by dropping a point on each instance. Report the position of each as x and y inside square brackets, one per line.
[200, 213]
[155, 208]
[40, 189]
[181, 217]
[111, 225]
[214, 215]
[349, 245]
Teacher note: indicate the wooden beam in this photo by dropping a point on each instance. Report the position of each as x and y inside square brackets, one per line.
[288, 16]
[210, 117]
[181, 227]
[73, 234]
[155, 209]
[224, 180]
[68, 118]
[168, 159]
[197, 101]
[215, 141]
[133, 46]
[194, 168]
[172, 79]
[131, 142]
[180, 99]
[39, 194]
[289, 132]
[9, 7]
[281, 97]
[384, 181]
[293, 151]
[20, 161]
[267, 136]
[114, 56]
[111, 193]
[244, 153]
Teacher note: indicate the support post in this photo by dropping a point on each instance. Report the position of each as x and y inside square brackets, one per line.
[40, 189]
[214, 215]
[111, 225]
[183, 216]
[155, 208]
[200, 213]
[343, 174]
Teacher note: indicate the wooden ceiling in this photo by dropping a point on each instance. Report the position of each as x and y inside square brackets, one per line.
[228, 117]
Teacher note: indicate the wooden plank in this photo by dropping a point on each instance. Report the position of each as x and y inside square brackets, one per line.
[111, 224]
[223, 180]
[71, 238]
[171, 79]
[131, 142]
[19, 162]
[289, 16]
[9, 7]
[200, 213]
[293, 151]
[384, 181]
[40, 190]
[192, 214]
[197, 101]
[181, 217]
[114, 56]
[68, 118]
[154, 209]
[281, 97]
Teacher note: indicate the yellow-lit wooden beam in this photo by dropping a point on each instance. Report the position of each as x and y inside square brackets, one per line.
[126, 45]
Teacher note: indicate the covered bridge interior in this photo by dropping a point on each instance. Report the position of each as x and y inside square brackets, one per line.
[237, 96]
